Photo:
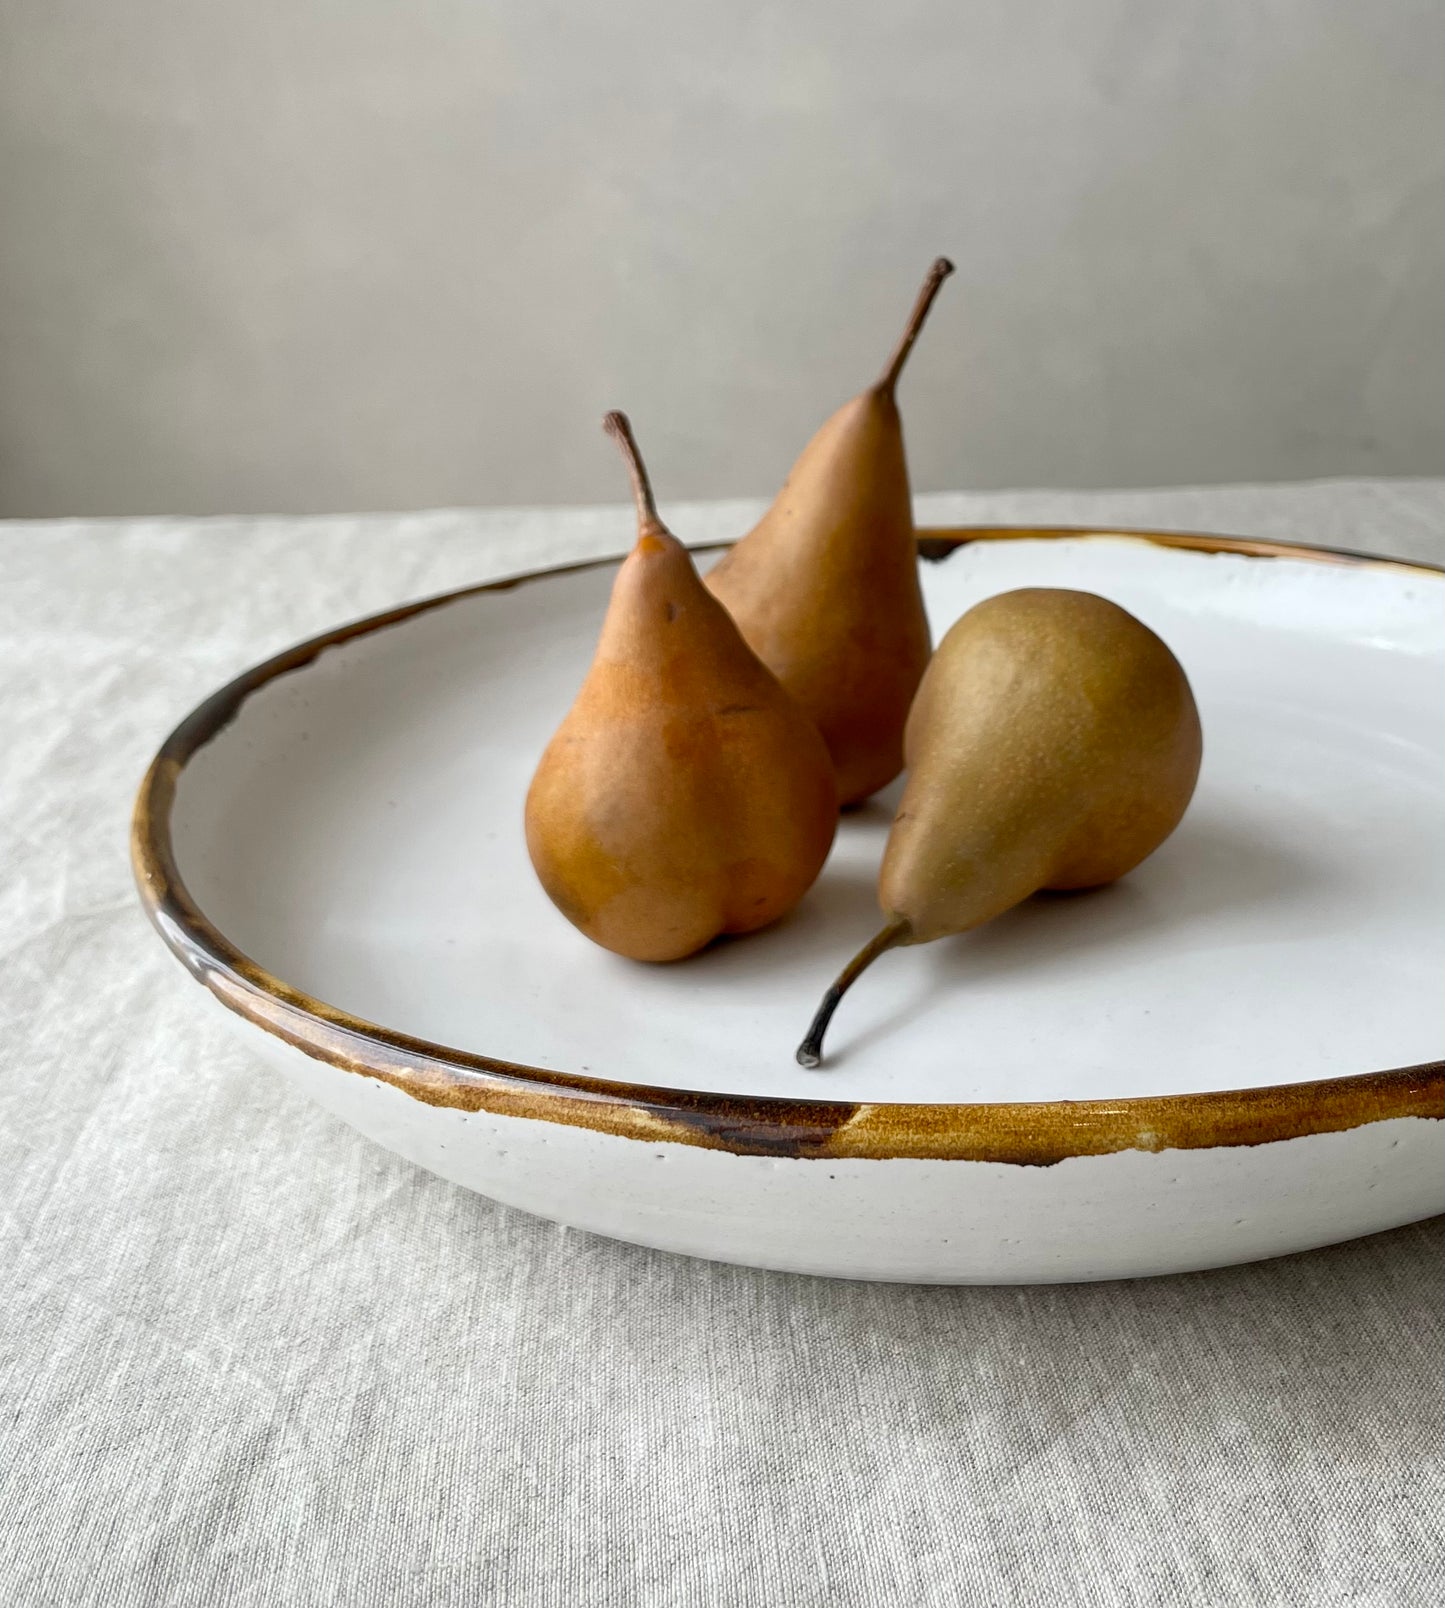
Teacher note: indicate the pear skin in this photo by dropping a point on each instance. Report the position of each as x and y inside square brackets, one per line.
[825, 587]
[685, 794]
[1054, 743]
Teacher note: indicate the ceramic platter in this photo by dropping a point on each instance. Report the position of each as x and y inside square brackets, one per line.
[1230, 1054]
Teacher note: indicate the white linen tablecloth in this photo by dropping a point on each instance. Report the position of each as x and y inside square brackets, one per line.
[248, 1358]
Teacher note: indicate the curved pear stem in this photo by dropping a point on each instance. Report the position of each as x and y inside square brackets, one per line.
[940, 271]
[619, 427]
[810, 1051]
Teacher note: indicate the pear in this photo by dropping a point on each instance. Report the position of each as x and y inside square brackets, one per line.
[685, 794]
[825, 587]
[1054, 743]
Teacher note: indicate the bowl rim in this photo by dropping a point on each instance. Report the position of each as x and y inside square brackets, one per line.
[1027, 1133]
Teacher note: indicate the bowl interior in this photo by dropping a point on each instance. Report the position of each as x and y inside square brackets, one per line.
[356, 831]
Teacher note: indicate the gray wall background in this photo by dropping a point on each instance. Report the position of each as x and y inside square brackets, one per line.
[342, 254]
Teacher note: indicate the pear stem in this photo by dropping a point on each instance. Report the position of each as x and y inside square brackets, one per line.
[619, 427]
[898, 931]
[940, 271]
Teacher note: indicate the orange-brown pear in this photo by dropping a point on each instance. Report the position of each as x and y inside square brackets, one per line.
[685, 794]
[825, 587]
[1054, 743]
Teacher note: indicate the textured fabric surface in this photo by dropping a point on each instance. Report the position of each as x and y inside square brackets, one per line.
[248, 1358]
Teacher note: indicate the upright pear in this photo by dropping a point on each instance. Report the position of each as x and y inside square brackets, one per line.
[825, 588]
[685, 794]
[1054, 743]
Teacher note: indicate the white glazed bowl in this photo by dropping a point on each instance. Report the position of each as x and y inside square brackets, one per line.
[1226, 1056]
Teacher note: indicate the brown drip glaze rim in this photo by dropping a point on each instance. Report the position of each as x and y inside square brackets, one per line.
[1027, 1134]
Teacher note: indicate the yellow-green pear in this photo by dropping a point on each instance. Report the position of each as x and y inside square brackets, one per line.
[1054, 743]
